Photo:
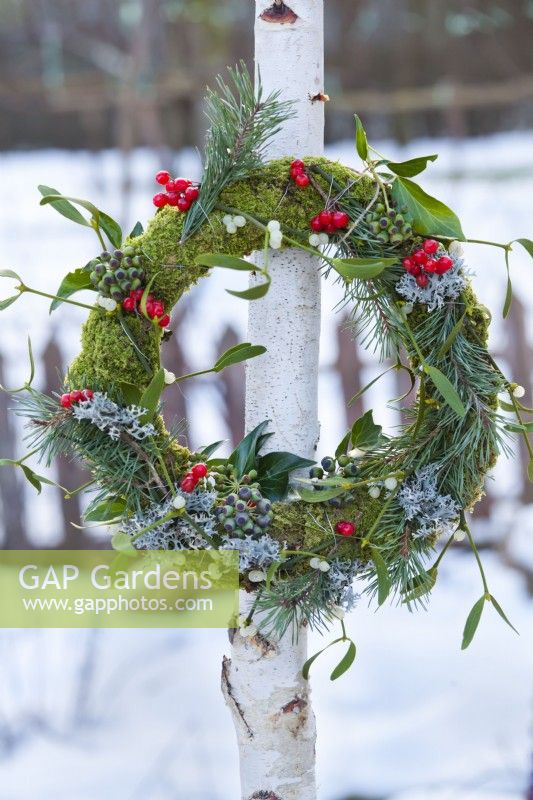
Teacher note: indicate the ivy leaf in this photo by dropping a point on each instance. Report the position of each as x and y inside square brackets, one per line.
[429, 215]
[502, 613]
[62, 206]
[412, 167]
[446, 389]
[137, 230]
[321, 495]
[361, 141]
[254, 292]
[345, 663]
[76, 281]
[362, 269]
[365, 432]
[107, 511]
[343, 445]
[151, 396]
[274, 470]
[244, 456]
[227, 262]
[111, 228]
[472, 622]
[238, 354]
[122, 543]
[382, 574]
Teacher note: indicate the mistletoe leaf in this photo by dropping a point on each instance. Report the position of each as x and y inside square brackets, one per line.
[527, 244]
[8, 302]
[62, 205]
[382, 574]
[238, 354]
[472, 622]
[111, 228]
[345, 663]
[420, 586]
[224, 261]
[106, 511]
[310, 661]
[362, 269]
[429, 215]
[412, 167]
[502, 613]
[151, 396]
[254, 292]
[452, 336]
[76, 281]
[361, 141]
[320, 495]
[446, 389]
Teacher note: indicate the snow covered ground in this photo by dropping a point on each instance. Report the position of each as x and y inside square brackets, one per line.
[137, 714]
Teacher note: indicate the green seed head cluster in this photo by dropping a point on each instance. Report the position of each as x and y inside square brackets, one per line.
[389, 225]
[245, 512]
[344, 465]
[116, 274]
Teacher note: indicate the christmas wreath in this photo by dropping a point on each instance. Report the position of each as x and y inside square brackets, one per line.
[374, 510]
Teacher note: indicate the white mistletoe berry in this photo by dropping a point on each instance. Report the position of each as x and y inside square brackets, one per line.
[324, 566]
[179, 502]
[455, 250]
[273, 225]
[314, 563]
[256, 575]
[338, 612]
[314, 240]
[324, 238]
[356, 453]
[374, 492]
[391, 484]
[518, 391]
[239, 221]
[227, 219]
[248, 631]
[231, 227]
[459, 535]
[169, 377]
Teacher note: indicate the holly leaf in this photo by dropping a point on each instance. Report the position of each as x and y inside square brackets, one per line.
[244, 456]
[429, 215]
[472, 622]
[274, 470]
[238, 354]
[62, 205]
[362, 269]
[446, 389]
[361, 141]
[76, 281]
[365, 433]
[412, 167]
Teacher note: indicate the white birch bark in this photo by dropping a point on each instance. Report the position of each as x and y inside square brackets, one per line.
[262, 682]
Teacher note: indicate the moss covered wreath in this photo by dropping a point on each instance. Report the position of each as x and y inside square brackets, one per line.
[375, 510]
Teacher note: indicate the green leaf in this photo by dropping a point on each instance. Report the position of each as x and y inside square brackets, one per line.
[308, 664]
[131, 394]
[244, 456]
[238, 354]
[8, 273]
[361, 141]
[209, 449]
[412, 167]
[343, 445]
[527, 244]
[227, 262]
[75, 281]
[523, 427]
[122, 543]
[107, 511]
[151, 396]
[35, 480]
[62, 206]
[429, 215]
[472, 622]
[55, 199]
[446, 389]
[502, 613]
[254, 292]
[382, 573]
[271, 571]
[452, 336]
[345, 663]
[509, 290]
[530, 471]
[420, 585]
[274, 470]
[137, 230]
[321, 495]
[10, 300]
[111, 228]
[365, 432]
[361, 268]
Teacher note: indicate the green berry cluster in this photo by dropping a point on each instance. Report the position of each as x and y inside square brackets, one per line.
[344, 465]
[389, 225]
[118, 273]
[245, 512]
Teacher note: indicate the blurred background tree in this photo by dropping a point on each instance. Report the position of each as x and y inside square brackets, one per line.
[127, 73]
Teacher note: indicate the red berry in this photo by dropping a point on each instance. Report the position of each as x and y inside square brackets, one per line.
[325, 218]
[158, 308]
[192, 193]
[407, 263]
[415, 270]
[76, 396]
[444, 264]
[162, 177]
[183, 204]
[65, 401]
[139, 294]
[302, 180]
[180, 184]
[89, 394]
[173, 198]
[298, 165]
[316, 224]
[345, 528]
[340, 219]
[199, 471]
[431, 246]
[422, 281]
[188, 483]
[330, 229]
[430, 265]
[164, 322]
[171, 186]
[129, 304]
[160, 200]
[419, 257]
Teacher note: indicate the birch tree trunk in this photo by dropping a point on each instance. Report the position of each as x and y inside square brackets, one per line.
[262, 682]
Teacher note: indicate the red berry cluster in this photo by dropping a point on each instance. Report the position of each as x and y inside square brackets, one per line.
[421, 264]
[154, 308]
[345, 528]
[299, 175]
[189, 481]
[329, 222]
[77, 396]
[180, 192]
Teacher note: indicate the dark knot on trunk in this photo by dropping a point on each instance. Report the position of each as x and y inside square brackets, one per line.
[280, 13]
